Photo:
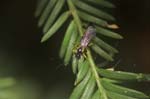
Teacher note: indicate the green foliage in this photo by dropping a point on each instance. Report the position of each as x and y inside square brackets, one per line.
[5, 83]
[91, 82]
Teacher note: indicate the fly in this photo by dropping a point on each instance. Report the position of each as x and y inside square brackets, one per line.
[85, 40]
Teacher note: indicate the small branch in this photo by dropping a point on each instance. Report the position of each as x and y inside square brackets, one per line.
[93, 67]
[75, 16]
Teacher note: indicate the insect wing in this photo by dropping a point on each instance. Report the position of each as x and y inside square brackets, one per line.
[89, 34]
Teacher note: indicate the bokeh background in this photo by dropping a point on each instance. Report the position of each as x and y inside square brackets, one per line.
[39, 72]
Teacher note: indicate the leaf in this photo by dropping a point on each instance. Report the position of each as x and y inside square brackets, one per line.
[74, 64]
[56, 26]
[53, 15]
[41, 5]
[113, 95]
[108, 33]
[112, 26]
[103, 64]
[66, 39]
[101, 52]
[96, 95]
[123, 91]
[120, 75]
[80, 62]
[104, 45]
[46, 12]
[94, 11]
[146, 77]
[79, 89]
[90, 18]
[82, 71]
[70, 46]
[103, 3]
[87, 94]
[113, 81]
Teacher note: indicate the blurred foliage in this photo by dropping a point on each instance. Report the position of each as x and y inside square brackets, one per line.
[15, 89]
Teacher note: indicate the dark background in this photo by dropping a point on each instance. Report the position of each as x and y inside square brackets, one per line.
[24, 57]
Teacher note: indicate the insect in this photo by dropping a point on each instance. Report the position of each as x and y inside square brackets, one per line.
[85, 40]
